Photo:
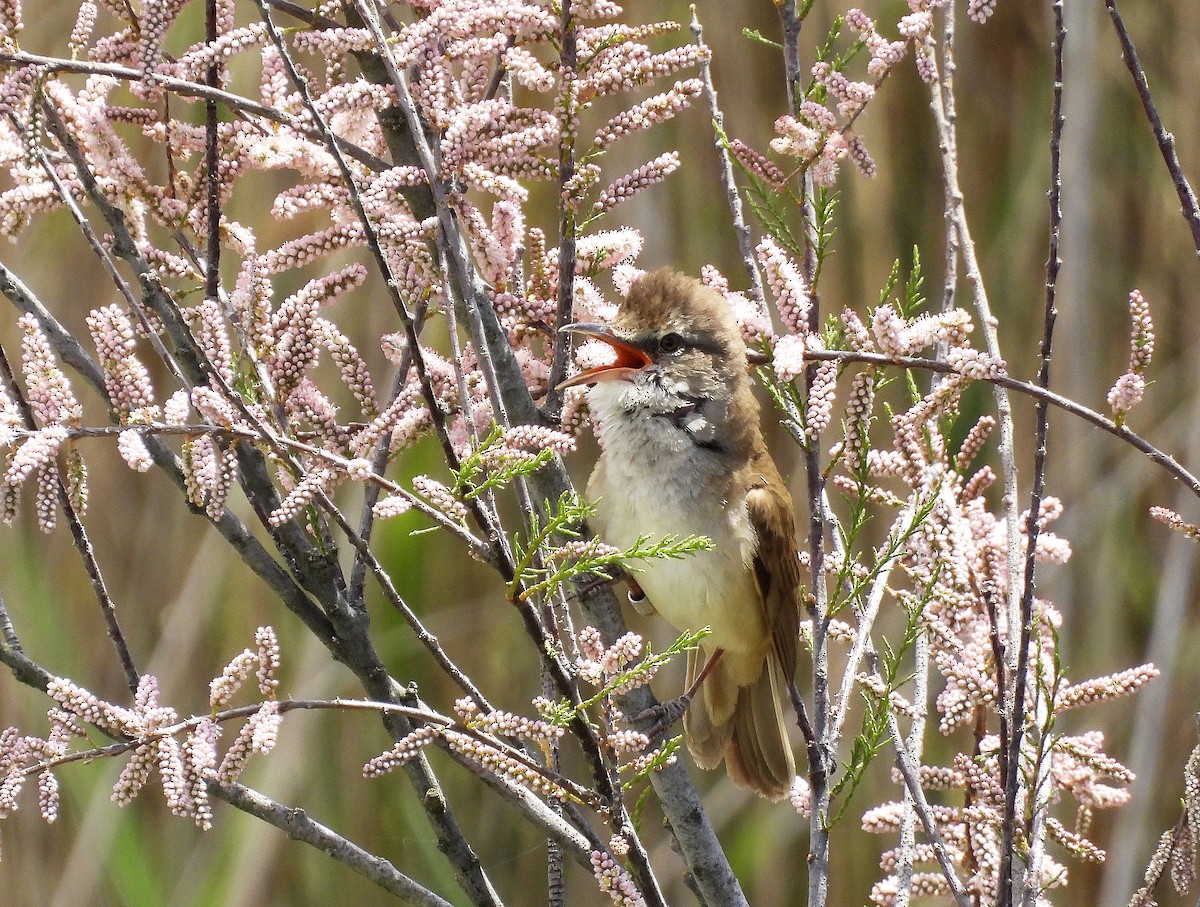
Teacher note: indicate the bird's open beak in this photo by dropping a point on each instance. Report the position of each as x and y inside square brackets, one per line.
[630, 359]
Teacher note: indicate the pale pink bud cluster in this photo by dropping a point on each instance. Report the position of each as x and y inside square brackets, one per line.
[922, 885]
[601, 663]
[627, 741]
[15, 88]
[1175, 521]
[640, 66]
[316, 481]
[538, 437]
[157, 16]
[81, 34]
[1129, 389]
[210, 469]
[973, 442]
[607, 249]
[800, 796]
[501, 763]
[819, 410]
[1141, 337]
[11, 419]
[50, 395]
[440, 497]
[852, 96]
[1126, 393]
[893, 335]
[917, 25]
[199, 57]
[264, 662]
[757, 163]
[754, 323]
[584, 549]
[1110, 686]
[257, 736]
[615, 881]
[884, 54]
[859, 406]
[132, 447]
[403, 751]
[786, 284]
[650, 112]
[528, 70]
[392, 506]
[800, 139]
[125, 377]
[975, 364]
[647, 762]
[635, 181]
[507, 724]
[38, 452]
[981, 10]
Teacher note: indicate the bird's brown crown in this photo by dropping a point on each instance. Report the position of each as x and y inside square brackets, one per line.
[665, 300]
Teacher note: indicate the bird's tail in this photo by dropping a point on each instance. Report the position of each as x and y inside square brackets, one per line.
[744, 725]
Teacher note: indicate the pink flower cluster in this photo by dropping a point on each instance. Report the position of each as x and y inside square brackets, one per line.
[184, 768]
[1128, 390]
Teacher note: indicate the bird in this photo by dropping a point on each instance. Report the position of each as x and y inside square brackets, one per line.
[682, 454]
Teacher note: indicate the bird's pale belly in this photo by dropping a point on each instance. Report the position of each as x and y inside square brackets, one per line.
[715, 588]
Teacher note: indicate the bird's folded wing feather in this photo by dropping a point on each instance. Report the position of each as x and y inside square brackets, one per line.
[775, 563]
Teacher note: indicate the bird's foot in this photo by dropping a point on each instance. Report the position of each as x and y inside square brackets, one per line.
[595, 583]
[637, 597]
[655, 721]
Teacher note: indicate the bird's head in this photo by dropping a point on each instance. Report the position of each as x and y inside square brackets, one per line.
[680, 357]
[671, 332]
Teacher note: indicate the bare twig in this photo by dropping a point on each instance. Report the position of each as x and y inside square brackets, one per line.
[1012, 783]
[300, 827]
[427, 639]
[818, 604]
[212, 277]
[567, 228]
[1159, 457]
[1166, 142]
[13, 656]
[740, 228]
[909, 770]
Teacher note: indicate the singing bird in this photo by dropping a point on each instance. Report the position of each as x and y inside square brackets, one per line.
[683, 455]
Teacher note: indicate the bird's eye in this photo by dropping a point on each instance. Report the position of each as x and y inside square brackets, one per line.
[671, 343]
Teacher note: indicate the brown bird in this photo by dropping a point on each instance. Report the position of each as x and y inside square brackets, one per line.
[683, 455]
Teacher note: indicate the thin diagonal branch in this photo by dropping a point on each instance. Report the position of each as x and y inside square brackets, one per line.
[1166, 142]
[79, 536]
[296, 824]
[1159, 457]
[734, 198]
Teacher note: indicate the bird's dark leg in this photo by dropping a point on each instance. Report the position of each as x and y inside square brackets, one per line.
[637, 597]
[658, 719]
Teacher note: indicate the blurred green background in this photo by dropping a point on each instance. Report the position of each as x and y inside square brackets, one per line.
[188, 605]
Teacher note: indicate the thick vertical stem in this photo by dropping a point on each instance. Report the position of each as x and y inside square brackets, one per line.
[1008, 894]
[818, 604]
[212, 277]
[566, 216]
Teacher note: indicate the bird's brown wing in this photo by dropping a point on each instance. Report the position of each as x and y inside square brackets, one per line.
[775, 562]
